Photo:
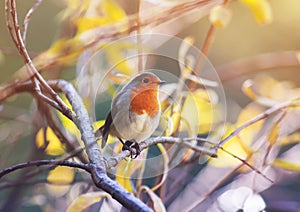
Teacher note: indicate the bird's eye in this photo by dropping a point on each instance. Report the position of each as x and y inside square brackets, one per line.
[145, 80]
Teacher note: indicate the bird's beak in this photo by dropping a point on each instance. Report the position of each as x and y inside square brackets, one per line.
[161, 82]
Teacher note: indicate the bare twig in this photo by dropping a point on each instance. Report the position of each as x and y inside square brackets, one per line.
[28, 17]
[259, 117]
[115, 32]
[10, 184]
[204, 52]
[269, 61]
[139, 37]
[212, 189]
[245, 162]
[19, 42]
[70, 141]
[42, 163]
[113, 161]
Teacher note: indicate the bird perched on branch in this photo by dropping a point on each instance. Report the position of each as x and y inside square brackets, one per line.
[135, 112]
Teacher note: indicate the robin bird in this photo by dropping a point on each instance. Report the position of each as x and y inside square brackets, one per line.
[135, 112]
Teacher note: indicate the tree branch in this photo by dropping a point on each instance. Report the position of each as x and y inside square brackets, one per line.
[98, 170]
[259, 117]
[42, 163]
[268, 61]
[113, 161]
[28, 17]
[12, 23]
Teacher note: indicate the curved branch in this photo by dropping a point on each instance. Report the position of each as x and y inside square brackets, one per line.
[268, 61]
[259, 117]
[43, 163]
[28, 17]
[20, 44]
[98, 168]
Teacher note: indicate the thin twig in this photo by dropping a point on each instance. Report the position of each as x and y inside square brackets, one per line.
[251, 65]
[205, 49]
[42, 163]
[139, 38]
[212, 189]
[259, 117]
[28, 17]
[28, 62]
[114, 160]
[245, 162]
[160, 18]
[8, 23]
[10, 184]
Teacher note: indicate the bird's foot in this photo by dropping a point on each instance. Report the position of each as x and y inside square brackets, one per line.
[131, 146]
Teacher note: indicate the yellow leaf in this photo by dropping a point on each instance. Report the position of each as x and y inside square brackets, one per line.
[167, 125]
[67, 123]
[86, 23]
[125, 170]
[235, 146]
[248, 134]
[282, 90]
[265, 84]
[165, 156]
[199, 112]
[158, 204]
[287, 165]
[175, 119]
[290, 139]
[261, 10]
[61, 52]
[273, 135]
[220, 16]
[53, 145]
[182, 54]
[75, 7]
[112, 10]
[60, 175]
[118, 59]
[248, 91]
[99, 124]
[86, 200]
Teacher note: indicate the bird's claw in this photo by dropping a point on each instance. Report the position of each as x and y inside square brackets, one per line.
[130, 145]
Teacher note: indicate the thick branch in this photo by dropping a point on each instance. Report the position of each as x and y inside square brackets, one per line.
[98, 172]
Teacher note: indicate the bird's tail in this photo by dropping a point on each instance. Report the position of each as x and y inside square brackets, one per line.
[102, 133]
[104, 130]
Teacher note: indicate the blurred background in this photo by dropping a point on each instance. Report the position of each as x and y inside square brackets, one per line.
[242, 39]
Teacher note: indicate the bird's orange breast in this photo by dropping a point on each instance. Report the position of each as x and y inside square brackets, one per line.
[145, 101]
